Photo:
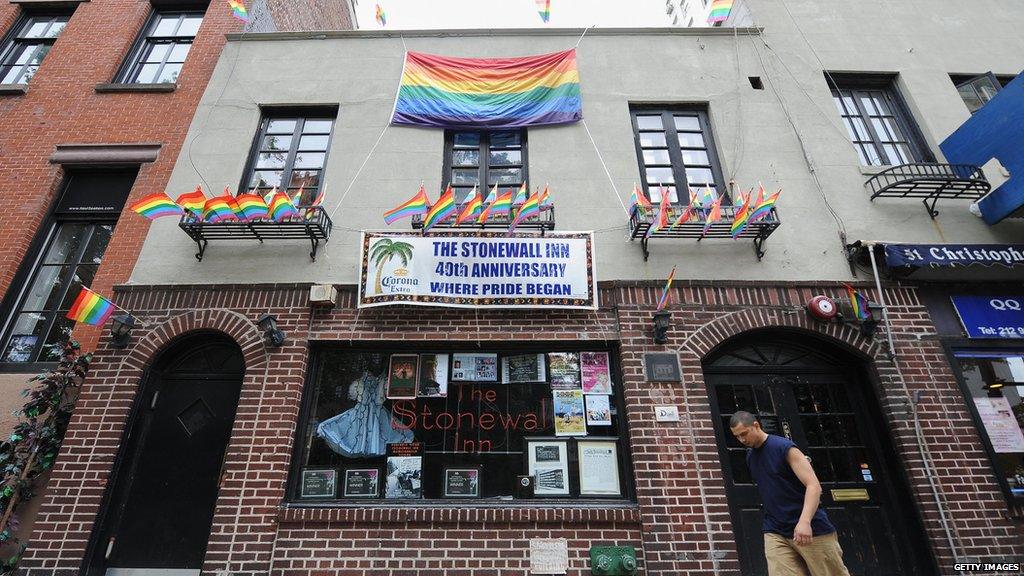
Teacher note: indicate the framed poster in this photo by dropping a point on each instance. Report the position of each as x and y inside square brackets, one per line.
[462, 482]
[547, 460]
[361, 483]
[433, 380]
[318, 483]
[402, 376]
[564, 370]
[475, 367]
[570, 419]
[405, 471]
[599, 467]
[19, 349]
[596, 373]
[599, 410]
[523, 369]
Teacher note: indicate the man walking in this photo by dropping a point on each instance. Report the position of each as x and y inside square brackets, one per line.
[799, 539]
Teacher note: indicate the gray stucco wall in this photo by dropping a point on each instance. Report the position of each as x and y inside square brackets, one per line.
[923, 42]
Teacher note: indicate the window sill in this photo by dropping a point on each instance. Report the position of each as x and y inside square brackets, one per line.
[13, 89]
[872, 170]
[536, 511]
[26, 367]
[117, 87]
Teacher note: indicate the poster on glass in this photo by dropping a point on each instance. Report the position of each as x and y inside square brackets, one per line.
[597, 375]
[433, 381]
[599, 410]
[570, 419]
[362, 483]
[318, 483]
[523, 369]
[475, 367]
[402, 376]
[404, 471]
[547, 460]
[462, 482]
[599, 467]
[564, 368]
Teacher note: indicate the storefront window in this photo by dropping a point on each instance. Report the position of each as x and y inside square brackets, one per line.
[397, 424]
[995, 381]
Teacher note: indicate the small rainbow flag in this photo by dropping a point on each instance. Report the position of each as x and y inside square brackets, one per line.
[382, 18]
[719, 11]
[192, 201]
[639, 202]
[521, 195]
[545, 198]
[238, 10]
[688, 212]
[252, 207]
[220, 209]
[714, 215]
[443, 209]
[281, 207]
[661, 222]
[488, 93]
[156, 205]
[544, 9]
[529, 209]
[485, 213]
[859, 303]
[663, 301]
[90, 308]
[764, 208]
[742, 216]
[417, 205]
[500, 207]
[471, 209]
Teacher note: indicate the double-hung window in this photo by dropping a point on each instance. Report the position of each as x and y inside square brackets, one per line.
[876, 120]
[676, 151]
[483, 159]
[290, 153]
[976, 91]
[29, 43]
[160, 52]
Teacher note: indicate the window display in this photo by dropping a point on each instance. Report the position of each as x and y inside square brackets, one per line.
[464, 430]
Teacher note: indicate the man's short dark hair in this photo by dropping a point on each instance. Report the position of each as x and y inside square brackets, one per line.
[742, 417]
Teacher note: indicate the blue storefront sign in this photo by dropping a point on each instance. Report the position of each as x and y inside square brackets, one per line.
[991, 316]
[938, 255]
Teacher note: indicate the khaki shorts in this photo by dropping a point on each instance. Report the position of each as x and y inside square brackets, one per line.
[822, 557]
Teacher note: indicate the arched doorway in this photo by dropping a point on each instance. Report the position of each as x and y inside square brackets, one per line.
[159, 508]
[818, 395]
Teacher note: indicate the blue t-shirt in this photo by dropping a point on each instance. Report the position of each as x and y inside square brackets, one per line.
[781, 491]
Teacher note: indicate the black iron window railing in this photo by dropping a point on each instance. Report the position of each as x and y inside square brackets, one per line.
[310, 223]
[930, 182]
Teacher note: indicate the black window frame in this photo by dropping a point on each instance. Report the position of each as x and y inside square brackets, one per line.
[626, 459]
[859, 85]
[131, 68]
[31, 264]
[483, 166]
[301, 115]
[673, 147]
[13, 38]
[961, 81]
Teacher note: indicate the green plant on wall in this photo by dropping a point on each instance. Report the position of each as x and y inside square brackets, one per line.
[384, 251]
[33, 444]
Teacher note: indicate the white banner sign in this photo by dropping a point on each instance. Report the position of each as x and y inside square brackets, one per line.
[478, 270]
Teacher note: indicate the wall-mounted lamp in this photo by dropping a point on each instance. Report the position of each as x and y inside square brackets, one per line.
[662, 321]
[268, 324]
[121, 330]
[994, 388]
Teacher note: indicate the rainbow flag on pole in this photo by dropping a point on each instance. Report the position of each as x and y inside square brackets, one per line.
[529, 209]
[714, 215]
[719, 11]
[192, 201]
[471, 209]
[238, 10]
[90, 308]
[380, 16]
[281, 207]
[156, 205]
[764, 207]
[252, 207]
[417, 205]
[488, 93]
[442, 210]
[859, 303]
[661, 222]
[663, 301]
[639, 202]
[742, 217]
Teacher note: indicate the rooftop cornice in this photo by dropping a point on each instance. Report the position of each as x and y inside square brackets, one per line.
[492, 32]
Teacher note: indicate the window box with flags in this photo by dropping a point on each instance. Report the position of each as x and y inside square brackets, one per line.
[512, 210]
[753, 216]
[243, 217]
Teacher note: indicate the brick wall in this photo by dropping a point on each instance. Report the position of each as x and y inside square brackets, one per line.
[681, 522]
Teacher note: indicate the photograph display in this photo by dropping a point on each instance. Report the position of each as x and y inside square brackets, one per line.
[524, 368]
[475, 367]
[402, 376]
[548, 463]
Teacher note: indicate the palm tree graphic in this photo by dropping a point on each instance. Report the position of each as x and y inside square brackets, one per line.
[383, 252]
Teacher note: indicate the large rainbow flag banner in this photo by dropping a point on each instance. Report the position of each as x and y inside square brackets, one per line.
[90, 308]
[443, 92]
[719, 11]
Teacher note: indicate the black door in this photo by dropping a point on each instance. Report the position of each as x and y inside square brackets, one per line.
[819, 401]
[161, 509]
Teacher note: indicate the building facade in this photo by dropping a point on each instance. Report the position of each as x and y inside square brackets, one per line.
[346, 438]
